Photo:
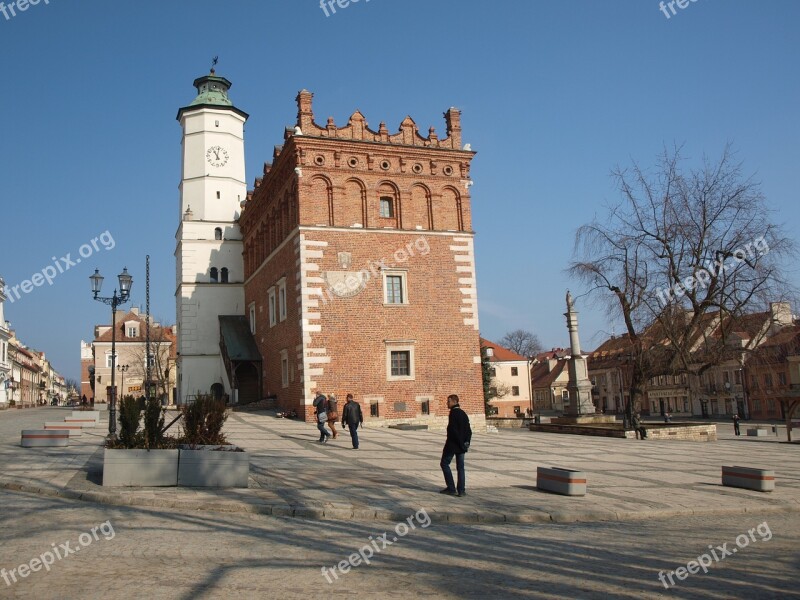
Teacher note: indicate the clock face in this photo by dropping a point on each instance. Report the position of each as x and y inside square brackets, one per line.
[217, 156]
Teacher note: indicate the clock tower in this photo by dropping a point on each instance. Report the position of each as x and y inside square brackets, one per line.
[208, 250]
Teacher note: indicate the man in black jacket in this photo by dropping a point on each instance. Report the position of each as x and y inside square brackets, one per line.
[352, 417]
[459, 435]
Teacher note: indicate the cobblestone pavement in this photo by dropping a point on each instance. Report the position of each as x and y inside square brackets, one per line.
[198, 555]
[395, 472]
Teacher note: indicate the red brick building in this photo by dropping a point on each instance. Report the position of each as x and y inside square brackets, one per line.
[360, 271]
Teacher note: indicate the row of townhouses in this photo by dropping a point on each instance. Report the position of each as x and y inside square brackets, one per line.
[758, 376]
[26, 376]
[130, 369]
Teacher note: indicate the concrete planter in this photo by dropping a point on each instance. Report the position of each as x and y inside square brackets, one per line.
[561, 481]
[205, 467]
[146, 468]
[757, 432]
[761, 480]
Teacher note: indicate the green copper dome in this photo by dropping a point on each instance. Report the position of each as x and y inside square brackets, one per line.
[212, 90]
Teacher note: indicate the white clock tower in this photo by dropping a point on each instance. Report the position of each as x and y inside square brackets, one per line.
[208, 250]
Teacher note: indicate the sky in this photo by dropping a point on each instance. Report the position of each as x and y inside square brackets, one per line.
[554, 95]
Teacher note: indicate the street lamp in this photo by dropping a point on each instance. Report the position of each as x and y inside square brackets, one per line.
[125, 282]
[122, 369]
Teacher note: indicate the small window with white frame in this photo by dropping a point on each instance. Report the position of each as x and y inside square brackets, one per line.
[284, 368]
[387, 207]
[272, 306]
[252, 312]
[282, 300]
[395, 287]
[108, 360]
[400, 361]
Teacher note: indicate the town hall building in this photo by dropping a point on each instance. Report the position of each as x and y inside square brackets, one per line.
[348, 268]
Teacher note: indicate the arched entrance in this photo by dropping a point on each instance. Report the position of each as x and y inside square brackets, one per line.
[247, 383]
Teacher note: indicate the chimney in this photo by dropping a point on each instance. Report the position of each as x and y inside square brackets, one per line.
[453, 119]
[305, 114]
[780, 313]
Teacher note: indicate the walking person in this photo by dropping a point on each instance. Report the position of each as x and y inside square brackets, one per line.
[321, 412]
[352, 417]
[459, 436]
[333, 413]
[736, 424]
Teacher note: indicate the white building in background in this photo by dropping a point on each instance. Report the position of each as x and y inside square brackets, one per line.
[5, 360]
[208, 251]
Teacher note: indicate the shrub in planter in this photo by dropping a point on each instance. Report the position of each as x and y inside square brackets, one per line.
[203, 421]
[129, 417]
[153, 423]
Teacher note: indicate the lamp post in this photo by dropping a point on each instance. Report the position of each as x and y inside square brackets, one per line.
[125, 282]
[122, 369]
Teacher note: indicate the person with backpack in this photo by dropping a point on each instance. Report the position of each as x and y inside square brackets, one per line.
[352, 417]
[321, 412]
[333, 413]
[459, 436]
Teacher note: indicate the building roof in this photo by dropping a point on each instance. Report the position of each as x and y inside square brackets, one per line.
[543, 376]
[499, 353]
[238, 342]
[158, 334]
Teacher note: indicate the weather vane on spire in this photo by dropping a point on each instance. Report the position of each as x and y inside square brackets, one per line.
[214, 63]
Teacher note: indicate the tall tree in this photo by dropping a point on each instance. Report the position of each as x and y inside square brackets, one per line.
[686, 252]
[522, 342]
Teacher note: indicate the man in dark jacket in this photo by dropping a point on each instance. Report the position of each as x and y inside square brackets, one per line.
[459, 436]
[352, 417]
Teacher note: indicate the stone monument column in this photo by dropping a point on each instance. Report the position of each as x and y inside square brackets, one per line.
[579, 386]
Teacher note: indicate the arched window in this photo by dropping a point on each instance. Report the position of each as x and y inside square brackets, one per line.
[218, 233]
[224, 274]
[214, 276]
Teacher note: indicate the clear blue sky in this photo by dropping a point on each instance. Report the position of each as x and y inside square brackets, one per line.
[553, 93]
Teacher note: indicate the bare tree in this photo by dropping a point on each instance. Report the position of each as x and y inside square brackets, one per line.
[161, 341]
[684, 255]
[522, 342]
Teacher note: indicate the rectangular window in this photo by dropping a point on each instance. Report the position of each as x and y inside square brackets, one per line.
[492, 372]
[253, 318]
[756, 405]
[726, 377]
[514, 371]
[768, 380]
[401, 363]
[373, 409]
[394, 289]
[515, 390]
[426, 407]
[131, 332]
[737, 377]
[782, 378]
[284, 368]
[387, 208]
[282, 300]
[108, 360]
[271, 303]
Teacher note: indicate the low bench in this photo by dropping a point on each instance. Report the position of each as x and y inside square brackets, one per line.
[73, 429]
[761, 480]
[757, 432]
[44, 438]
[86, 414]
[561, 481]
[81, 422]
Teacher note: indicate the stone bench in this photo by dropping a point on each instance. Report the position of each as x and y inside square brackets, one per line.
[44, 438]
[761, 480]
[561, 481]
[757, 432]
[73, 429]
[86, 414]
[81, 422]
